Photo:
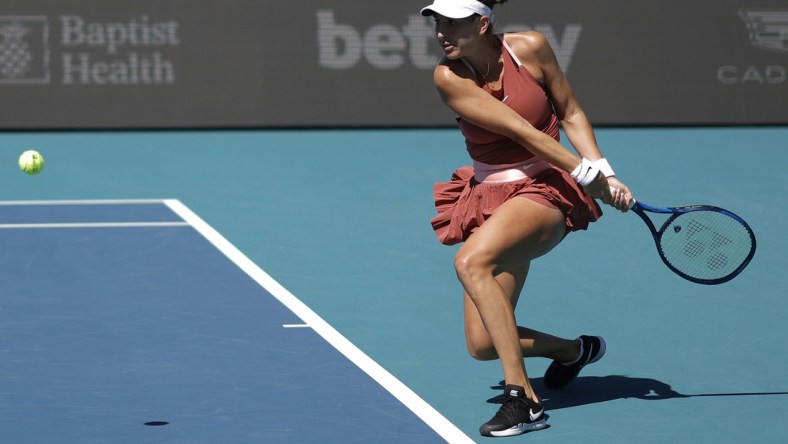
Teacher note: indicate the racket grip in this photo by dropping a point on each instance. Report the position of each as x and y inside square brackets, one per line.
[632, 204]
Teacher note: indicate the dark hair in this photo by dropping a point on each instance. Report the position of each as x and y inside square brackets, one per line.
[491, 3]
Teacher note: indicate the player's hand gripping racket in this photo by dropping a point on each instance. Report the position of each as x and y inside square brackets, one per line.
[701, 243]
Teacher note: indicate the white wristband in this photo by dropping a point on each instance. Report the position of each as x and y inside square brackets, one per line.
[585, 173]
[604, 167]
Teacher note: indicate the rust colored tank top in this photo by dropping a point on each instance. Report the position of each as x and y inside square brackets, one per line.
[524, 94]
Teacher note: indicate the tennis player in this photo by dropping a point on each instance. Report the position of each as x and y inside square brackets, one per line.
[524, 193]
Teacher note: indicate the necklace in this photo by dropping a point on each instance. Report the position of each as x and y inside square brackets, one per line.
[496, 48]
[485, 76]
[487, 73]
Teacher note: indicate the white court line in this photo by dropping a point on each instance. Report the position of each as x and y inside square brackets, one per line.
[97, 225]
[88, 224]
[403, 393]
[81, 202]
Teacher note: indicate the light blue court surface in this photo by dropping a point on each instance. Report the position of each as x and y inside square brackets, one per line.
[191, 310]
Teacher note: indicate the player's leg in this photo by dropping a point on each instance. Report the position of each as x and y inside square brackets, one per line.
[477, 339]
[519, 231]
[569, 355]
[532, 342]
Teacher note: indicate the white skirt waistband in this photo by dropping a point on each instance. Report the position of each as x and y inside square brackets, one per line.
[509, 172]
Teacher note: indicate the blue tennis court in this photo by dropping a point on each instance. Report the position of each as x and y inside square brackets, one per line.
[285, 286]
[119, 315]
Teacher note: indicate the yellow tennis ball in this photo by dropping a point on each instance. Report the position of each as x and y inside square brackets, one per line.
[31, 162]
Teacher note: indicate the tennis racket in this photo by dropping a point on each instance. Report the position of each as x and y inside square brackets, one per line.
[701, 243]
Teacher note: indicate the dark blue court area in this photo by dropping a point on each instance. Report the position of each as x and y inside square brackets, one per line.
[121, 323]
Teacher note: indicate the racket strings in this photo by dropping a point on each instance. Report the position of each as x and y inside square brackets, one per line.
[706, 244]
[694, 227]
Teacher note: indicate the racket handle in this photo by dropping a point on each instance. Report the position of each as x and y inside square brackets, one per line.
[632, 204]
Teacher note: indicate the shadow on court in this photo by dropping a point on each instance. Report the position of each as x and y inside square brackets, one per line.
[596, 389]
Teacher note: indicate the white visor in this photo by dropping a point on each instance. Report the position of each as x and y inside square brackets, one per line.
[457, 9]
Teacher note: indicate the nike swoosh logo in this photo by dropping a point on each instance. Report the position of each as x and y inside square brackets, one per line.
[590, 353]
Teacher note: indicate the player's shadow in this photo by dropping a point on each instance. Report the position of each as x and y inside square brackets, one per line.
[595, 389]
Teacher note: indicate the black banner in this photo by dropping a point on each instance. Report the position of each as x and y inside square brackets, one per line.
[256, 63]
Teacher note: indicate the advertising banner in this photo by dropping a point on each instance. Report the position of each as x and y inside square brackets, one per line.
[267, 64]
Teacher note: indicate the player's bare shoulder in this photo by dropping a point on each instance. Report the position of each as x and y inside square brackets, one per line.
[534, 51]
[448, 70]
[529, 45]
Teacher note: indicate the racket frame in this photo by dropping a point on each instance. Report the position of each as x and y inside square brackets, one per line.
[641, 208]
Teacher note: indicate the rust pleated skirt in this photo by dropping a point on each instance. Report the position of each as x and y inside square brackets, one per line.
[463, 203]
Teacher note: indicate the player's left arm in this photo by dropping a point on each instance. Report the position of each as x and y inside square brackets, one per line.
[541, 60]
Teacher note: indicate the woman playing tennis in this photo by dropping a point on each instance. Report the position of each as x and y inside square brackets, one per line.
[524, 193]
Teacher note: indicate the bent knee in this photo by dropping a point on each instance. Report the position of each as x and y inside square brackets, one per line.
[470, 265]
[481, 350]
